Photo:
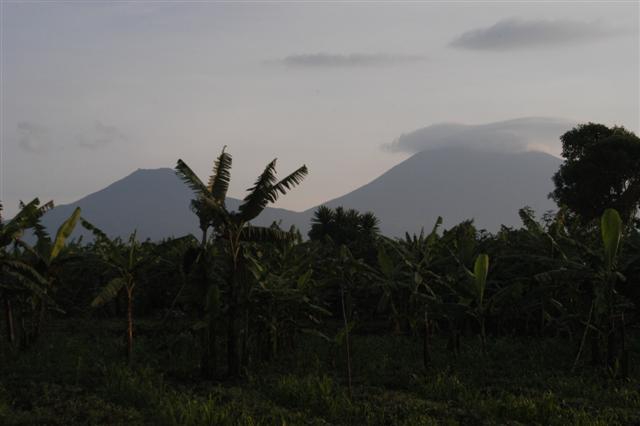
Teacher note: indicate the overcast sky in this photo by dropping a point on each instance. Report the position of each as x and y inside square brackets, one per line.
[92, 92]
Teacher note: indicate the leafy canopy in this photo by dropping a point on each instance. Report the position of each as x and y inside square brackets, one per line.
[601, 170]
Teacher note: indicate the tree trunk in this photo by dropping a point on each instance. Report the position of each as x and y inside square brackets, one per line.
[233, 342]
[624, 356]
[130, 325]
[8, 314]
[426, 350]
[24, 334]
[39, 320]
[233, 352]
[596, 355]
[346, 336]
[209, 336]
[209, 361]
[612, 352]
[483, 336]
[244, 331]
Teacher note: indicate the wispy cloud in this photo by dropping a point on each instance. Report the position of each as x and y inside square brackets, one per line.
[522, 134]
[516, 33]
[37, 138]
[331, 60]
[33, 137]
[100, 135]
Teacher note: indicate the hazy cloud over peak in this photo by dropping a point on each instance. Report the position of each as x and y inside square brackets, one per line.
[516, 33]
[522, 134]
[331, 60]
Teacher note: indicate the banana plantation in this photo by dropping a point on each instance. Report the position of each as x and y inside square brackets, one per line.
[248, 325]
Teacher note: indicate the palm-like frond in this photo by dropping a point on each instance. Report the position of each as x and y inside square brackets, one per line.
[266, 190]
[100, 236]
[261, 234]
[27, 279]
[216, 211]
[27, 217]
[108, 292]
[37, 259]
[290, 181]
[108, 248]
[219, 180]
[63, 233]
[191, 179]
[259, 195]
[25, 271]
[369, 223]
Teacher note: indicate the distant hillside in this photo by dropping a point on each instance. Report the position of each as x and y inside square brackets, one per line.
[455, 183]
[155, 202]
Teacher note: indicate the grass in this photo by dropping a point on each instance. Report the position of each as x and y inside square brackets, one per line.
[76, 375]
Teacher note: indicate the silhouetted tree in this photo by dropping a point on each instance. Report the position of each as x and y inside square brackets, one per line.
[601, 170]
[233, 229]
[356, 230]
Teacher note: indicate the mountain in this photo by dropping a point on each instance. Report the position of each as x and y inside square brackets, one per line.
[455, 183]
[155, 202]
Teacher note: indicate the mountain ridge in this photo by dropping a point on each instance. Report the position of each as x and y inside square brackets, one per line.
[456, 183]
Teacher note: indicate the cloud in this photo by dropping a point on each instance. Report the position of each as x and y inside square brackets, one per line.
[522, 134]
[100, 135]
[37, 138]
[515, 33]
[330, 60]
[33, 137]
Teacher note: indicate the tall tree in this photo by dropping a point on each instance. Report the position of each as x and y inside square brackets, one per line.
[601, 170]
[233, 229]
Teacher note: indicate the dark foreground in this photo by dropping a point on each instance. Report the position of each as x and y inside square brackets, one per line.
[77, 376]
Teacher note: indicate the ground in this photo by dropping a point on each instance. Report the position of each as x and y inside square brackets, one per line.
[77, 375]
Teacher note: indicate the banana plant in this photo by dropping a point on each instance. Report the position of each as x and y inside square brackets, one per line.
[407, 277]
[480, 271]
[390, 280]
[233, 230]
[605, 300]
[285, 300]
[18, 278]
[126, 262]
[604, 314]
[45, 257]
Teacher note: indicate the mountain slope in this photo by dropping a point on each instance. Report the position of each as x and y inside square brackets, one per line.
[153, 201]
[457, 184]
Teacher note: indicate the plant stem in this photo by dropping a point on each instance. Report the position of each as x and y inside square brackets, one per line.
[583, 340]
[346, 330]
[426, 350]
[8, 312]
[129, 324]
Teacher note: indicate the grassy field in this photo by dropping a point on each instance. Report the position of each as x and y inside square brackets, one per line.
[76, 375]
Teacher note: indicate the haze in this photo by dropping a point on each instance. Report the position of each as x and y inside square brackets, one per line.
[91, 92]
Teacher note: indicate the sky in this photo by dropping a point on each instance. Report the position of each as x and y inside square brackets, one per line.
[92, 91]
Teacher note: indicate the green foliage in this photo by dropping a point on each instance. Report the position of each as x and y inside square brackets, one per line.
[601, 170]
[611, 229]
[108, 292]
[63, 233]
[480, 271]
[74, 378]
[457, 326]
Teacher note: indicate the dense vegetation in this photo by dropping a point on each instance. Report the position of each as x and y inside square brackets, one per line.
[252, 325]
